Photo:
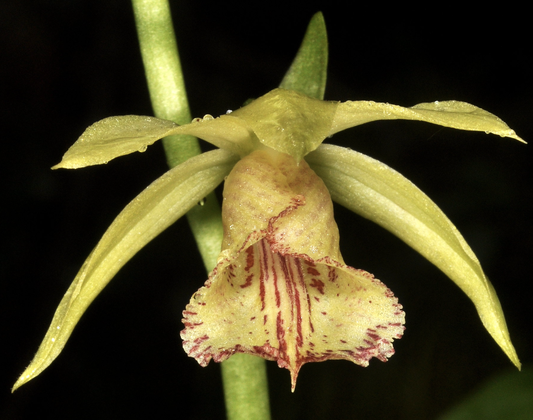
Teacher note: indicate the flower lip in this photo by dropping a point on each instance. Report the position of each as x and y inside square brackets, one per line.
[281, 289]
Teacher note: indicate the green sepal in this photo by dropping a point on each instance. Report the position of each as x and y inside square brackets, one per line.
[377, 192]
[308, 71]
[157, 207]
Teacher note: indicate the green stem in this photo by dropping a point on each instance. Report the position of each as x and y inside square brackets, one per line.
[162, 66]
[244, 376]
[245, 390]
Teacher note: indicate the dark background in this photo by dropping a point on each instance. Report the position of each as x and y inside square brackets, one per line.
[68, 63]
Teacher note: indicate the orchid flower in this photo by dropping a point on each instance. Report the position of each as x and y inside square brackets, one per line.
[280, 289]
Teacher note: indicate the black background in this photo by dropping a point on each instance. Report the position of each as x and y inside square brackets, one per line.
[67, 63]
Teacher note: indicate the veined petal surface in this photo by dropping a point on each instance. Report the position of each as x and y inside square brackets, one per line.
[281, 290]
[157, 207]
[377, 192]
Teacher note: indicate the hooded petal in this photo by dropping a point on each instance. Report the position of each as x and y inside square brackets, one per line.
[377, 192]
[265, 187]
[288, 121]
[151, 212]
[453, 114]
[281, 289]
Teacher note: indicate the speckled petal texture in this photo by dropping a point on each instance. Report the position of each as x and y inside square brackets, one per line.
[281, 289]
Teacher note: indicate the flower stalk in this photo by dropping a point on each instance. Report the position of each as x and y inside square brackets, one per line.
[244, 377]
[159, 51]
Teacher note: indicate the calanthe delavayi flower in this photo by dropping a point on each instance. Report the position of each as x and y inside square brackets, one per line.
[280, 288]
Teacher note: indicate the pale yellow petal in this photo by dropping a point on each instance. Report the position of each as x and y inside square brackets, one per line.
[377, 192]
[151, 212]
[118, 136]
[453, 114]
[113, 137]
[292, 311]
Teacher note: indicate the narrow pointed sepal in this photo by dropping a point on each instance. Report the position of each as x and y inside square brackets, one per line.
[453, 114]
[377, 192]
[151, 212]
[281, 290]
[308, 71]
